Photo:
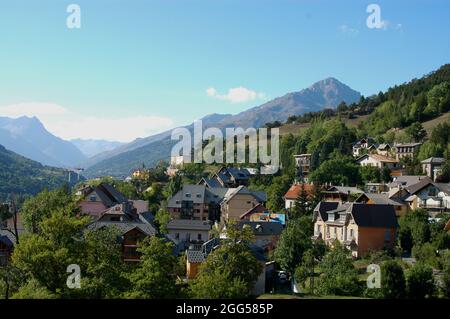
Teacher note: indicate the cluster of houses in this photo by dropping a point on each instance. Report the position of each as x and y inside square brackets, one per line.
[363, 220]
[368, 153]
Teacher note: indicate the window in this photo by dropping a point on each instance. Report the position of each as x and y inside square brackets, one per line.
[199, 236]
[177, 236]
[387, 235]
[188, 195]
[352, 235]
[93, 198]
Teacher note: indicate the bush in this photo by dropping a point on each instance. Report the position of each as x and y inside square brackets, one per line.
[420, 282]
[393, 285]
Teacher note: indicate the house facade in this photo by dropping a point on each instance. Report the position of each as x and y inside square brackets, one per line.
[238, 201]
[196, 202]
[187, 231]
[361, 228]
[293, 192]
[97, 199]
[377, 160]
[133, 228]
[403, 150]
[340, 194]
[432, 167]
[303, 164]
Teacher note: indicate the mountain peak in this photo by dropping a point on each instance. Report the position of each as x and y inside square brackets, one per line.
[327, 82]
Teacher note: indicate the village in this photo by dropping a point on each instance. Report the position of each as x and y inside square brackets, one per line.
[196, 218]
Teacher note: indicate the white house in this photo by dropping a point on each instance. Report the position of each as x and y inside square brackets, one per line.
[377, 160]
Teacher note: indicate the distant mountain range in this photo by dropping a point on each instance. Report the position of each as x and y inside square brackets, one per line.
[28, 137]
[324, 94]
[22, 176]
[93, 147]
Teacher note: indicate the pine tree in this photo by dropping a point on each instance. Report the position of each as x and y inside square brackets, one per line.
[301, 204]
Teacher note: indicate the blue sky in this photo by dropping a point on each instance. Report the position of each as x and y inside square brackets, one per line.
[139, 67]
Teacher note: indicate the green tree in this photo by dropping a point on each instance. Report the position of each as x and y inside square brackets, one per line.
[393, 284]
[162, 218]
[218, 284]
[236, 263]
[104, 271]
[420, 282]
[35, 209]
[339, 275]
[293, 242]
[174, 185]
[155, 276]
[44, 256]
[339, 170]
[34, 290]
[414, 229]
[416, 132]
[301, 204]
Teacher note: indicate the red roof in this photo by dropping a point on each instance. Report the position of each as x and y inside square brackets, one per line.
[293, 192]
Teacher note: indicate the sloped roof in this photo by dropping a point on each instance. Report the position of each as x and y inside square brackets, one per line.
[195, 256]
[294, 190]
[378, 157]
[412, 189]
[408, 180]
[433, 160]
[189, 224]
[231, 192]
[344, 190]
[323, 207]
[443, 187]
[384, 146]
[125, 227]
[380, 216]
[257, 209]
[108, 194]
[382, 199]
[7, 238]
[263, 228]
[407, 144]
[210, 182]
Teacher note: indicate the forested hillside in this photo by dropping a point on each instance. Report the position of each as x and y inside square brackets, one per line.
[22, 176]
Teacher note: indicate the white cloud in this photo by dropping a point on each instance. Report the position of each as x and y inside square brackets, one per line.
[236, 95]
[69, 125]
[346, 29]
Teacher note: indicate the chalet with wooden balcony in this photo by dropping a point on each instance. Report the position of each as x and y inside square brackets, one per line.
[133, 229]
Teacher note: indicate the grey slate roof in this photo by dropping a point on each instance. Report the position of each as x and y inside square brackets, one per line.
[345, 189]
[189, 224]
[374, 215]
[382, 199]
[7, 238]
[125, 227]
[195, 256]
[264, 228]
[433, 160]
[443, 187]
[323, 207]
[412, 189]
[407, 180]
[210, 182]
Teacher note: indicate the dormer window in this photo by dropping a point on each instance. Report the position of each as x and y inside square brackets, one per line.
[331, 217]
[188, 195]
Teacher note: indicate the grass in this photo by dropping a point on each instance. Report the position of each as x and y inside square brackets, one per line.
[304, 296]
[296, 129]
[431, 124]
